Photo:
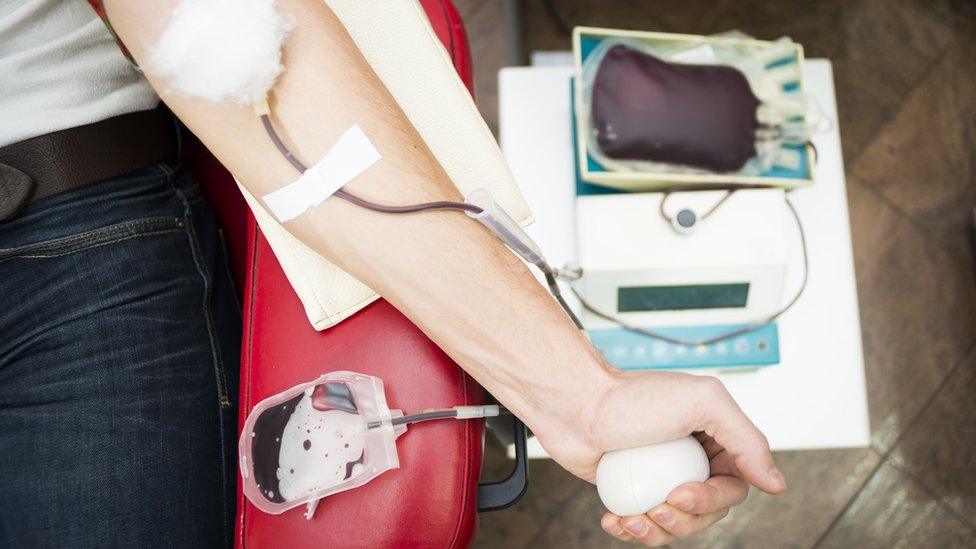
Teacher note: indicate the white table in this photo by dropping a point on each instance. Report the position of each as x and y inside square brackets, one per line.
[815, 397]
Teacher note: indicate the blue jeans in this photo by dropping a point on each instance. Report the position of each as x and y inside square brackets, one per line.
[119, 353]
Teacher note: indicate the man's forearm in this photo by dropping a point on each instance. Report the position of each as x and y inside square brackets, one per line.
[443, 270]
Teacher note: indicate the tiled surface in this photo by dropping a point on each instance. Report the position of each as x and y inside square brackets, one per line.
[906, 86]
[918, 310]
[894, 511]
[938, 449]
[524, 523]
[820, 485]
[924, 161]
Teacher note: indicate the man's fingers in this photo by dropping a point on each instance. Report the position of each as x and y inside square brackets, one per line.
[730, 427]
[645, 530]
[677, 523]
[697, 505]
[711, 447]
[715, 494]
[724, 464]
[720, 462]
[611, 525]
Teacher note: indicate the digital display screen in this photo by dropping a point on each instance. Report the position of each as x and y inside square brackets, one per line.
[680, 298]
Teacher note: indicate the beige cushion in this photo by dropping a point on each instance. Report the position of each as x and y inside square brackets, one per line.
[400, 45]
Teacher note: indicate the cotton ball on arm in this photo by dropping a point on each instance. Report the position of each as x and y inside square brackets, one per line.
[222, 49]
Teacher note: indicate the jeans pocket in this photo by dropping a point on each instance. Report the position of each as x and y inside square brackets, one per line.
[101, 236]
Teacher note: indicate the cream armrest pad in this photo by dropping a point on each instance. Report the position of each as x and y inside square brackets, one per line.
[397, 40]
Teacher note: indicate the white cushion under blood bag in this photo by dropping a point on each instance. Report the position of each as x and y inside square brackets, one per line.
[398, 42]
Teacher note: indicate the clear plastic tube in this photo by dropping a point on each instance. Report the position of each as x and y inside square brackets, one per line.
[504, 227]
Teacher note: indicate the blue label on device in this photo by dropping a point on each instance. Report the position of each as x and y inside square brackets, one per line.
[629, 350]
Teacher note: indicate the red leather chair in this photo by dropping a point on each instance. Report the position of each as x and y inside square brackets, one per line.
[432, 500]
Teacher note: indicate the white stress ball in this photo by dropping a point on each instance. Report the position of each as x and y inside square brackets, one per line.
[634, 480]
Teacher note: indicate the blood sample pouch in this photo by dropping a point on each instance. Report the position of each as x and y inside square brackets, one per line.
[317, 439]
[700, 109]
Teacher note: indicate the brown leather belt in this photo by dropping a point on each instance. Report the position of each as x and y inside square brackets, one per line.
[60, 161]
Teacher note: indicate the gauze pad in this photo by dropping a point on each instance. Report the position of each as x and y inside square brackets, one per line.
[222, 49]
[348, 158]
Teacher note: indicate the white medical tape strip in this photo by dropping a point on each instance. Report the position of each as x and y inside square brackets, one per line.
[348, 158]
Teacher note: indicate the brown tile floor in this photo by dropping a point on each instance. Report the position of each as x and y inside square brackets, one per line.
[906, 87]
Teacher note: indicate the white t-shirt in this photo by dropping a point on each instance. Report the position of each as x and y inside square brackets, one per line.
[61, 68]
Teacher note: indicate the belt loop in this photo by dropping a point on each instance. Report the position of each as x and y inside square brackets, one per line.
[16, 188]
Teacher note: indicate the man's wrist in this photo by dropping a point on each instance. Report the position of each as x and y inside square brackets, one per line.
[565, 405]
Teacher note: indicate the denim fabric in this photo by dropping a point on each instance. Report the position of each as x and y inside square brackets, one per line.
[119, 352]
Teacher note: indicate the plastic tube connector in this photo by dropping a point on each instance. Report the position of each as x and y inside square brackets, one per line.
[474, 412]
[504, 227]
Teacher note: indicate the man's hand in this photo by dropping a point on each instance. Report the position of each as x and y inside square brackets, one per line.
[635, 409]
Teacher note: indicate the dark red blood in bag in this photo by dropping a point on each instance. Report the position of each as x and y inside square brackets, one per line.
[703, 116]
